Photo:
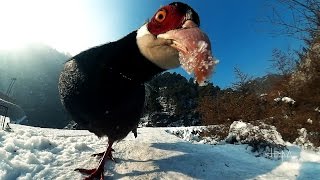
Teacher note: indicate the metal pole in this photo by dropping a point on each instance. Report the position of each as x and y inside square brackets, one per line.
[3, 109]
[1, 121]
[11, 85]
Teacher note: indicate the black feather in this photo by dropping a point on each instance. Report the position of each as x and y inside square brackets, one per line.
[103, 88]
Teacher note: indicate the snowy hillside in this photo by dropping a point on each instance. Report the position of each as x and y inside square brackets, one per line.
[39, 153]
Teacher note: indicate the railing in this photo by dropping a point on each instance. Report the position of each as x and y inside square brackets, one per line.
[3, 115]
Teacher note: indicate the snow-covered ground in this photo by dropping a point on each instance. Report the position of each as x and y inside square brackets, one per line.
[40, 153]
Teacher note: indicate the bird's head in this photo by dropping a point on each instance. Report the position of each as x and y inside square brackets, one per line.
[173, 29]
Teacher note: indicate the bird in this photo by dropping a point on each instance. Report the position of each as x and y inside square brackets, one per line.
[103, 88]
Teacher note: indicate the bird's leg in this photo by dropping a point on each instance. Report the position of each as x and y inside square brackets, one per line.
[109, 156]
[134, 131]
[99, 171]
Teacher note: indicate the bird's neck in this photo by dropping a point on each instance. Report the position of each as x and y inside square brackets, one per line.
[129, 61]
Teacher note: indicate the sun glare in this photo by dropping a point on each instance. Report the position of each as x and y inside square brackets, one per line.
[57, 23]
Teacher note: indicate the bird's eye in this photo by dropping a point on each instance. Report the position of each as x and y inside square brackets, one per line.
[160, 16]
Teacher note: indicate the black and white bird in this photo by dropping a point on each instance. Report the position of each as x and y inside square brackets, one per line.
[103, 87]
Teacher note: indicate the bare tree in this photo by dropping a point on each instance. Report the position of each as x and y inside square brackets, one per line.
[302, 22]
[243, 83]
[283, 62]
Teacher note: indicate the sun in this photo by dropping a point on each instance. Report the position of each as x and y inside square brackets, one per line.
[37, 21]
[69, 26]
[9, 31]
[19, 23]
[12, 40]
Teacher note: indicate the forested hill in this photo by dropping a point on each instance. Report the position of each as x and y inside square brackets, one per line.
[36, 68]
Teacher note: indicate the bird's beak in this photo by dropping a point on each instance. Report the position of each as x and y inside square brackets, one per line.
[194, 50]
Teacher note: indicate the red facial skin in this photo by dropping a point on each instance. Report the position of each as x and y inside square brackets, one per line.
[172, 20]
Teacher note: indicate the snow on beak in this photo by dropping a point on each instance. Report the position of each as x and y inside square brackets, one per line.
[194, 50]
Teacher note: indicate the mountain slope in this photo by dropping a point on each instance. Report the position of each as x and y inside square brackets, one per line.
[36, 68]
[39, 153]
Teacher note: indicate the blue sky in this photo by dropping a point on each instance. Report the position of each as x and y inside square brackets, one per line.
[238, 40]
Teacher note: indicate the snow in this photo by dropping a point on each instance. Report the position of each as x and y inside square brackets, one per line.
[167, 104]
[238, 125]
[309, 121]
[240, 131]
[303, 141]
[263, 95]
[262, 140]
[41, 153]
[287, 100]
[191, 134]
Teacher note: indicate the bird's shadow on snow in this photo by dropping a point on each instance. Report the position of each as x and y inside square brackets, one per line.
[203, 161]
